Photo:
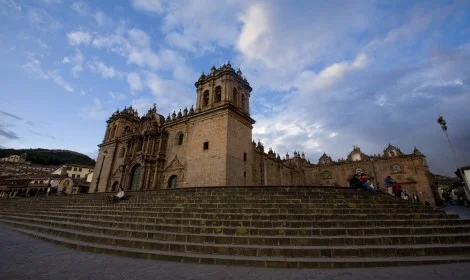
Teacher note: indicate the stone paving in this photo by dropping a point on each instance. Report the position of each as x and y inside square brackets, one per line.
[22, 257]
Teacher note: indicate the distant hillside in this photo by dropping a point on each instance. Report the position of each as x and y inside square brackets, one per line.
[50, 157]
[445, 180]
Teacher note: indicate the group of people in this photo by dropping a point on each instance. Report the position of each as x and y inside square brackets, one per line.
[361, 181]
[395, 189]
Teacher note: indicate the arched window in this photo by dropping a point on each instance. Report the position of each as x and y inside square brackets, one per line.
[179, 138]
[127, 130]
[205, 98]
[235, 96]
[173, 182]
[122, 152]
[243, 102]
[358, 171]
[396, 168]
[134, 183]
[218, 94]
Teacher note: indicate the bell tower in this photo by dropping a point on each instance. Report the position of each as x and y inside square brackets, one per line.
[219, 151]
[223, 86]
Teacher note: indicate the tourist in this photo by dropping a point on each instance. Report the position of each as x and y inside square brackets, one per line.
[388, 183]
[415, 198]
[119, 196]
[397, 189]
[366, 184]
[404, 195]
[355, 183]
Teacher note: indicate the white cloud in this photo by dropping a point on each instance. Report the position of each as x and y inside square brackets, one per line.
[201, 26]
[78, 38]
[51, 2]
[8, 5]
[76, 61]
[170, 93]
[81, 8]
[117, 96]
[95, 111]
[153, 6]
[106, 72]
[41, 19]
[134, 81]
[135, 45]
[103, 19]
[254, 40]
[309, 81]
[34, 66]
[142, 105]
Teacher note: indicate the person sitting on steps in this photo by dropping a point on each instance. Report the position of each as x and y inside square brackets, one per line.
[119, 196]
[355, 183]
[388, 183]
[366, 184]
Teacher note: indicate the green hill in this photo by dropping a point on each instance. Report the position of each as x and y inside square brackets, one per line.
[50, 157]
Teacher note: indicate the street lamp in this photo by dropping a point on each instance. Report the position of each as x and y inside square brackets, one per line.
[101, 169]
[442, 122]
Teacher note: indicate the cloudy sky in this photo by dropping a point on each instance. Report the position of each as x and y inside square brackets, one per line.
[326, 75]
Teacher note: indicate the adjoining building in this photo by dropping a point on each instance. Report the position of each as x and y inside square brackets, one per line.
[15, 158]
[211, 145]
[75, 171]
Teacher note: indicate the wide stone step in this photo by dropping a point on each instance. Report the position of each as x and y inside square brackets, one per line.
[326, 206]
[281, 231]
[325, 228]
[157, 209]
[228, 199]
[201, 225]
[274, 262]
[255, 250]
[223, 195]
[179, 213]
[154, 215]
[310, 240]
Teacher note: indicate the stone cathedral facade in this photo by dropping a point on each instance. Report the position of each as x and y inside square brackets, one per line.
[211, 145]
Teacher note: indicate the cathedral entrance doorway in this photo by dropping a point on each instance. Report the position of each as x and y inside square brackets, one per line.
[135, 178]
[172, 182]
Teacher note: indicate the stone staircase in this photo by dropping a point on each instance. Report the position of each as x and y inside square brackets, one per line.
[294, 227]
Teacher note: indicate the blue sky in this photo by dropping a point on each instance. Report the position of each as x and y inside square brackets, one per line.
[326, 75]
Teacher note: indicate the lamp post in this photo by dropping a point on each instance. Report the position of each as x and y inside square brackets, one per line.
[442, 122]
[101, 169]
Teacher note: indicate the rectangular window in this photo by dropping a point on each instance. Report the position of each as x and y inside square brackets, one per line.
[78, 176]
[244, 156]
[74, 169]
[206, 146]
[73, 175]
[80, 169]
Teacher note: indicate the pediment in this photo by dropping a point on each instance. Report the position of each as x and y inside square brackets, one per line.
[175, 164]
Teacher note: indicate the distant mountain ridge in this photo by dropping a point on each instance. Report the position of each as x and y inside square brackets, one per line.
[50, 157]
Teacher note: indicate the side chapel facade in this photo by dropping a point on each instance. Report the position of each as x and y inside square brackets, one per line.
[211, 145]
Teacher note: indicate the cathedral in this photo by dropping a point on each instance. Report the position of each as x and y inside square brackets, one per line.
[211, 145]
